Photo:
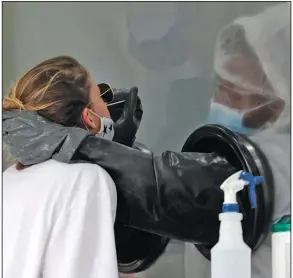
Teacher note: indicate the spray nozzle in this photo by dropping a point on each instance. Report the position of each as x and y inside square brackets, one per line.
[235, 183]
[252, 182]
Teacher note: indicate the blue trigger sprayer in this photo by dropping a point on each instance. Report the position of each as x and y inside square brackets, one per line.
[252, 181]
[231, 257]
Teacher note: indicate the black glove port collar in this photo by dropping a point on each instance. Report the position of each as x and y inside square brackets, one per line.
[243, 154]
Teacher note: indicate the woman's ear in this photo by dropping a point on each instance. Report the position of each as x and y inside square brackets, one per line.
[87, 118]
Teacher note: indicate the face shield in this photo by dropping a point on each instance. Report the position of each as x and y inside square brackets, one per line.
[252, 69]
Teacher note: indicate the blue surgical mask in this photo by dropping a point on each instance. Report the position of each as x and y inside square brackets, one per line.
[228, 117]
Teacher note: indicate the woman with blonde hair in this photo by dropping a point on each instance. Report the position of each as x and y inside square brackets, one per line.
[53, 211]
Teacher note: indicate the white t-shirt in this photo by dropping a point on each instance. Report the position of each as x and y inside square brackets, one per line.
[58, 222]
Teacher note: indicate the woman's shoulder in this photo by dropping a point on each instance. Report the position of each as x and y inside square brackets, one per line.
[87, 174]
[83, 178]
[60, 169]
[83, 168]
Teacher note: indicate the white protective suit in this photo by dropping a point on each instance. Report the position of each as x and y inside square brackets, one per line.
[264, 39]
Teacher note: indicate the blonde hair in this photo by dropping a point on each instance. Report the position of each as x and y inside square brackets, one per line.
[57, 88]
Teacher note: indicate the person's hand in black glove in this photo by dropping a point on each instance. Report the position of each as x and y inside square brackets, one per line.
[126, 111]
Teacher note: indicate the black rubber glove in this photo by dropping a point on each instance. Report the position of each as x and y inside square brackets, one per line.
[126, 111]
[126, 115]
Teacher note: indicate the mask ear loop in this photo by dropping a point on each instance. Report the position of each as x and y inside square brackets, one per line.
[95, 113]
[92, 113]
[84, 123]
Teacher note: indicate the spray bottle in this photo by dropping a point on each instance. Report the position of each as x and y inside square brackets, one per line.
[231, 257]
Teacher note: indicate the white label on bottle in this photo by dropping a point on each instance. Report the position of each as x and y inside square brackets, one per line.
[288, 259]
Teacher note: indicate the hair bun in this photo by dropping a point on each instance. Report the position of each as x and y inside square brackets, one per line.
[11, 103]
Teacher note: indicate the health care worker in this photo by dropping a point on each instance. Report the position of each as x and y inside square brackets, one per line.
[252, 65]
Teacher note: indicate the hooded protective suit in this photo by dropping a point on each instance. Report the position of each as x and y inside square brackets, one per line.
[264, 41]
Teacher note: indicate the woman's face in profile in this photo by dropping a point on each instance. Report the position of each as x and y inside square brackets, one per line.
[97, 108]
[97, 103]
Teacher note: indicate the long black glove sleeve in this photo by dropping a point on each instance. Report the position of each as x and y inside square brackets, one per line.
[176, 195]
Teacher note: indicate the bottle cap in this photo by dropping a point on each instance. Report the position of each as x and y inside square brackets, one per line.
[282, 224]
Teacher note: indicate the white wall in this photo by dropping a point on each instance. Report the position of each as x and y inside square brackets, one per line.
[8, 47]
[166, 49]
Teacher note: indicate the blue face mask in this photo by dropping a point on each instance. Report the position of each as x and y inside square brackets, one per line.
[231, 118]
